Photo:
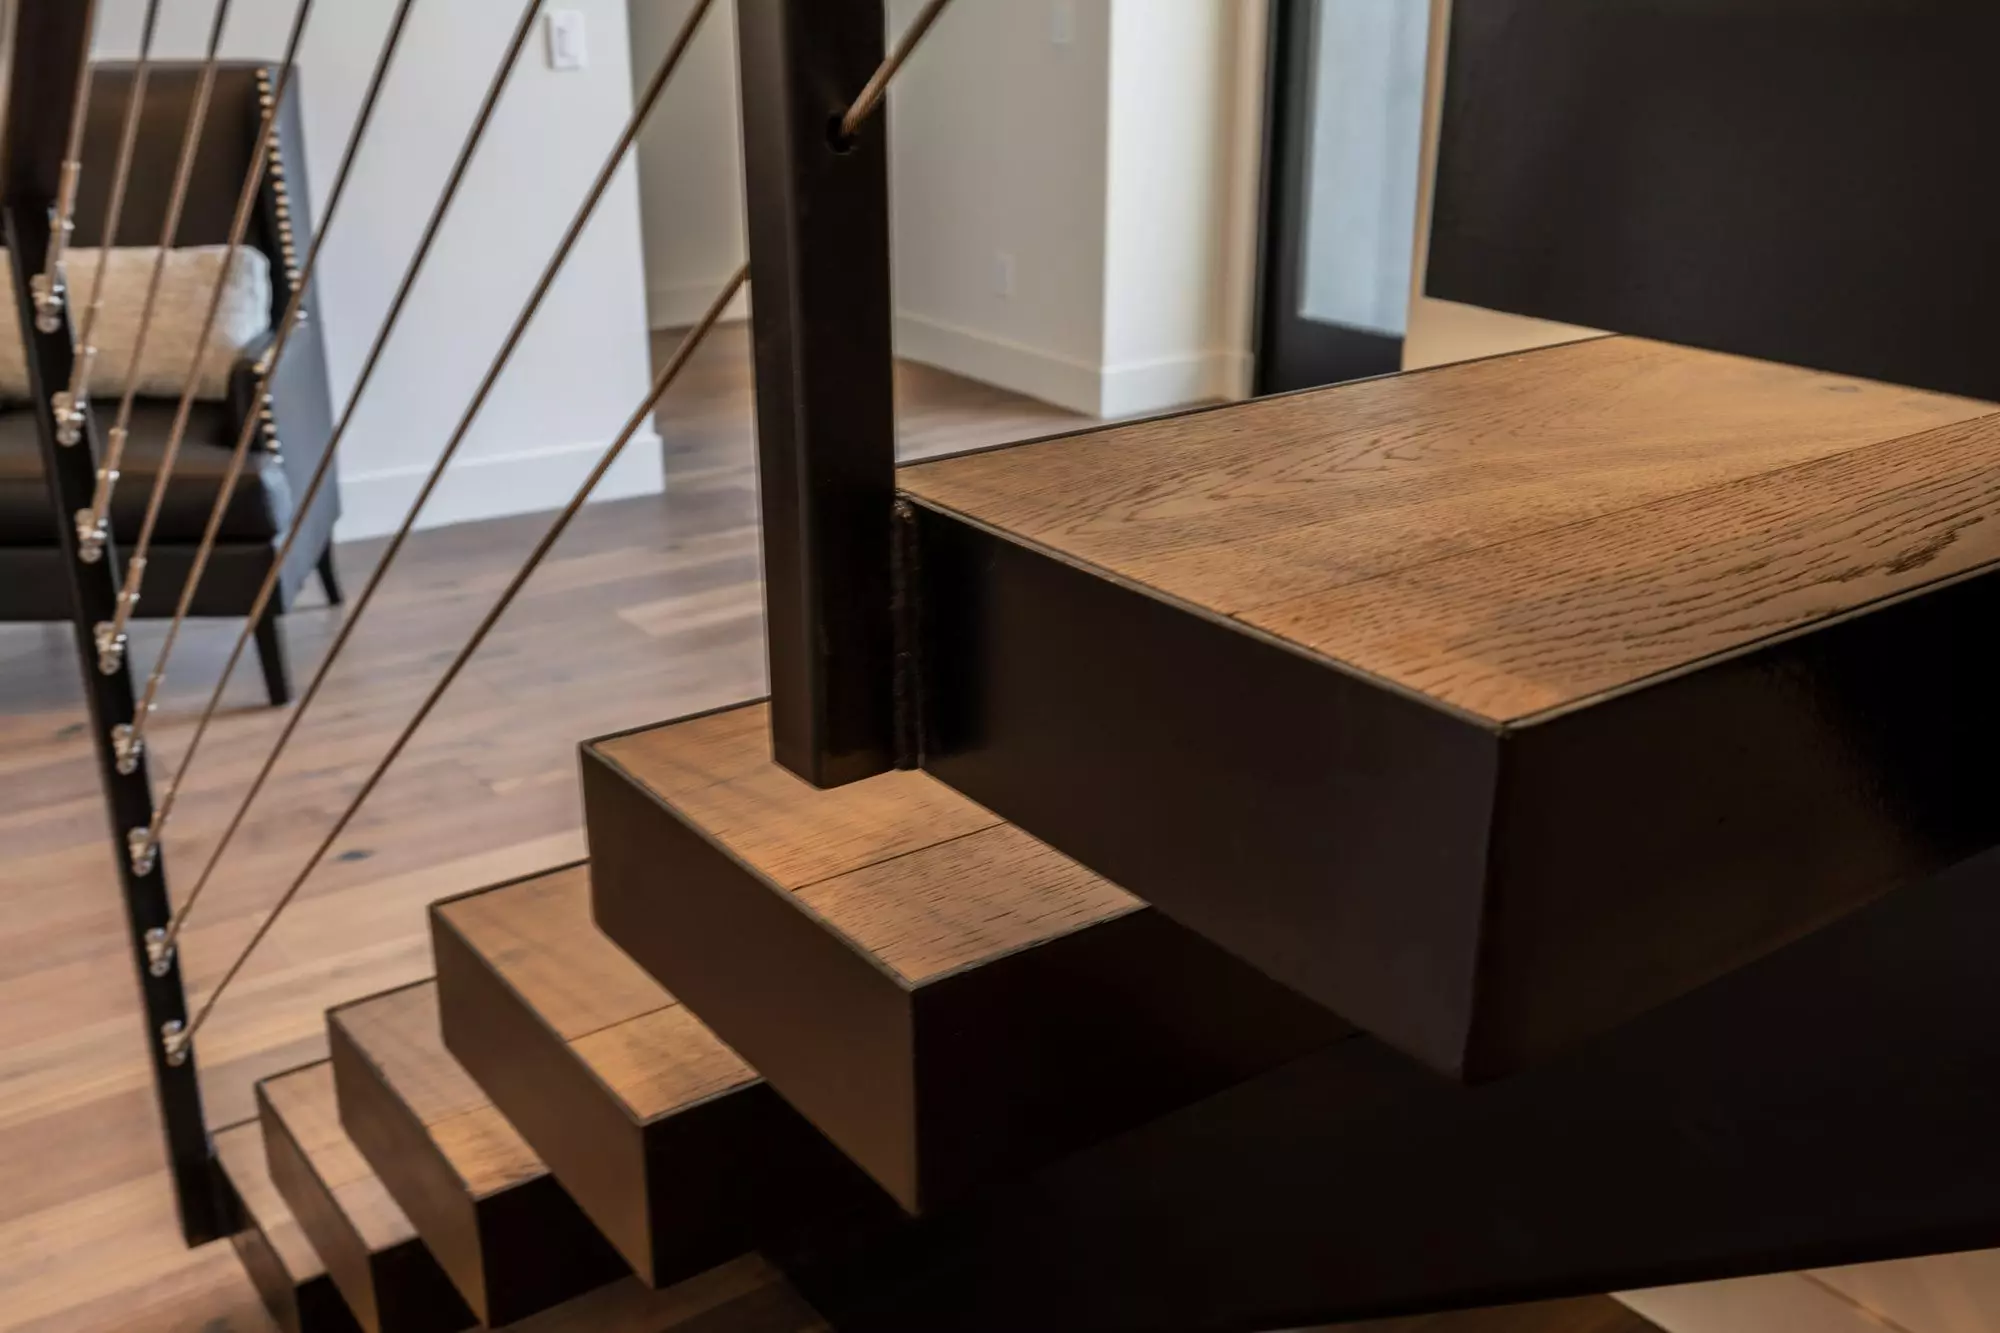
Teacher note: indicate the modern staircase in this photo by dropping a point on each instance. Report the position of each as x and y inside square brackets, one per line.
[1492, 707]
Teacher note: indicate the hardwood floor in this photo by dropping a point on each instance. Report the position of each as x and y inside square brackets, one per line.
[648, 609]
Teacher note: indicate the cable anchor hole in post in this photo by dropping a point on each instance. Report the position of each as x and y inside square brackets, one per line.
[143, 849]
[159, 952]
[174, 1042]
[110, 647]
[127, 745]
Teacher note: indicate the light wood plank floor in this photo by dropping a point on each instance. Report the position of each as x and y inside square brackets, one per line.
[648, 609]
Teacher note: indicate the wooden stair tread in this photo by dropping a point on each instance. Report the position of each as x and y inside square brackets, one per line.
[1555, 618]
[916, 875]
[1420, 527]
[663, 1062]
[486, 1206]
[398, 1031]
[943, 996]
[278, 1257]
[304, 1099]
[241, 1151]
[672, 1146]
[537, 933]
[389, 1279]
[1489, 706]
[649, 1050]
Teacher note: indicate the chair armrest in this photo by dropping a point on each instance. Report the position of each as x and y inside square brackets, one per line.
[299, 420]
[244, 400]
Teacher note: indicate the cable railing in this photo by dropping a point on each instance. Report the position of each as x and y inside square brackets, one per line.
[141, 844]
[91, 525]
[144, 841]
[69, 403]
[62, 362]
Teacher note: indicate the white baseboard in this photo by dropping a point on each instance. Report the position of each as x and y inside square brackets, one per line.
[1136, 389]
[373, 503]
[1048, 376]
[677, 305]
[1108, 391]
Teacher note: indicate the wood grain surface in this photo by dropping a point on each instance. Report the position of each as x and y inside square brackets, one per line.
[304, 1101]
[910, 871]
[398, 1033]
[1558, 617]
[1464, 531]
[241, 1149]
[646, 1047]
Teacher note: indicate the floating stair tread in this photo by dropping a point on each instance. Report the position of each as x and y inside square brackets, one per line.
[1489, 706]
[1517, 534]
[943, 996]
[276, 1253]
[399, 1032]
[1555, 618]
[645, 1046]
[538, 934]
[389, 1278]
[486, 1206]
[241, 1151]
[304, 1099]
[678, 1152]
[917, 876]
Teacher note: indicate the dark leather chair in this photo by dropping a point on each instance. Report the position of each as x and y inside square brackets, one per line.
[295, 420]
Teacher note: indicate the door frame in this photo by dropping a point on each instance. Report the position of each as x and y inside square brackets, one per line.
[1293, 352]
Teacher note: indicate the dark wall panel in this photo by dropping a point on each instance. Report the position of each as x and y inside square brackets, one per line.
[1800, 180]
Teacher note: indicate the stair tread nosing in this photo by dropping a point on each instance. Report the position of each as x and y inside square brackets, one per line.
[945, 996]
[281, 1261]
[484, 1203]
[663, 1135]
[389, 1278]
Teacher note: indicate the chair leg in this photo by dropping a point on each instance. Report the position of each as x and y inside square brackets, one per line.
[271, 653]
[328, 579]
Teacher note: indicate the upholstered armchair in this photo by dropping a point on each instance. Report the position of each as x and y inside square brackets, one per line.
[294, 421]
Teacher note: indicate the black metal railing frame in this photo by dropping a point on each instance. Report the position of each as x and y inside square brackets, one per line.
[47, 60]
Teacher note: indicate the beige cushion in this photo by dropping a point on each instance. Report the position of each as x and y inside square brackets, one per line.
[187, 285]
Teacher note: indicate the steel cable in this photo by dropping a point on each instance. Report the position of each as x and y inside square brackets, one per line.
[69, 404]
[177, 1039]
[133, 742]
[146, 842]
[91, 524]
[585, 211]
[49, 286]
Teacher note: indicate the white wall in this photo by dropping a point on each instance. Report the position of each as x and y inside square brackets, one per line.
[690, 159]
[1167, 225]
[999, 139]
[584, 363]
[1103, 151]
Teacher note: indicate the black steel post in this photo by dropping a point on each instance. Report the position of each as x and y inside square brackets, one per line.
[49, 41]
[826, 431]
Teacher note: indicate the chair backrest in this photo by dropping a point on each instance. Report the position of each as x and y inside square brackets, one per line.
[281, 226]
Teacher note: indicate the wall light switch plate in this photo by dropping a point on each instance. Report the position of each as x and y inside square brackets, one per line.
[1062, 22]
[569, 42]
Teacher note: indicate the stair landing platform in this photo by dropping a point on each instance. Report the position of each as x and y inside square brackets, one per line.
[1489, 705]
